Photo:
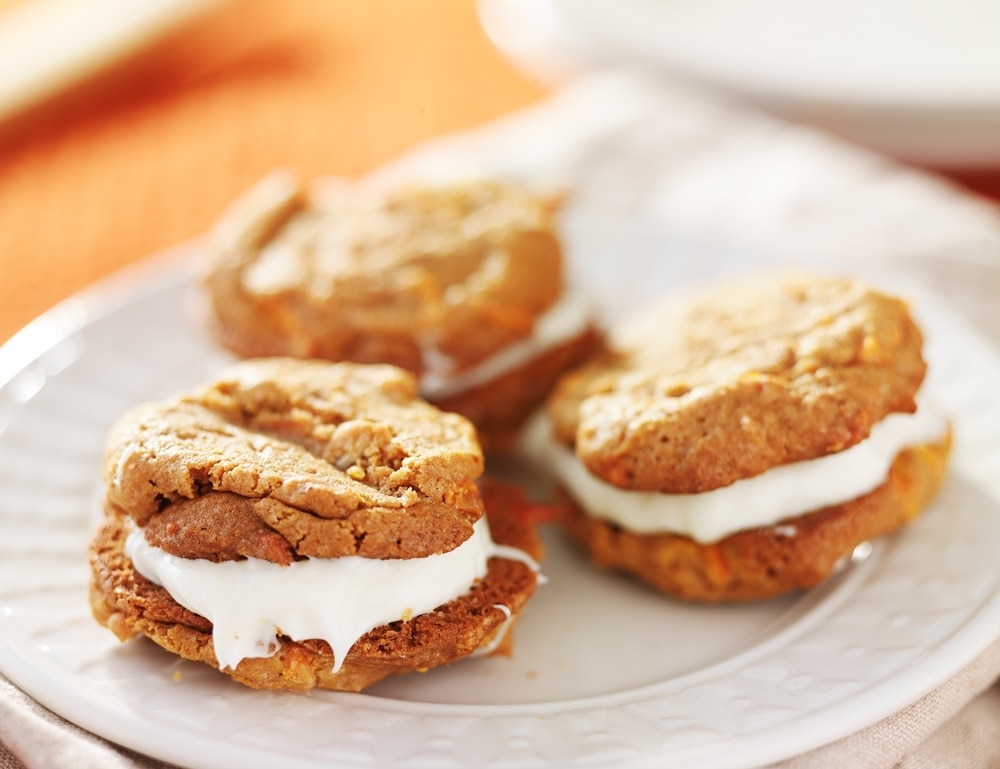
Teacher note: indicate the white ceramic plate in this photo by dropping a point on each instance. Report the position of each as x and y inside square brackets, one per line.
[920, 81]
[605, 673]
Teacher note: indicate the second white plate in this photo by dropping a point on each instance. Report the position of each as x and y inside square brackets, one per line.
[919, 81]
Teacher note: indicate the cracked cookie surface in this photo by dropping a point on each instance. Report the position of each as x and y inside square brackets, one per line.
[725, 382]
[280, 459]
[344, 272]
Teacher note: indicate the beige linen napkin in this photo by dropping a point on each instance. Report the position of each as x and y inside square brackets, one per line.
[956, 726]
[646, 153]
[32, 737]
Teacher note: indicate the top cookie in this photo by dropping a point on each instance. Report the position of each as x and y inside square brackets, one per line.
[726, 382]
[283, 458]
[422, 278]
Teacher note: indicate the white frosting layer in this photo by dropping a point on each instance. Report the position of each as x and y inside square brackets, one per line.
[564, 320]
[249, 602]
[764, 500]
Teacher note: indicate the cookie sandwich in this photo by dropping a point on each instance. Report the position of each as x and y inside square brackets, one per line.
[301, 524]
[740, 441]
[462, 285]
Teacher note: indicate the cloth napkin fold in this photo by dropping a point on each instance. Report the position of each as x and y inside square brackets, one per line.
[35, 738]
[637, 151]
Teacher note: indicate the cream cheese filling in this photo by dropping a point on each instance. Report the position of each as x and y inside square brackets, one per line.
[564, 320]
[250, 602]
[764, 500]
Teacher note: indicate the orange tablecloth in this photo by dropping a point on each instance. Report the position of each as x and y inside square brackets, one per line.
[147, 154]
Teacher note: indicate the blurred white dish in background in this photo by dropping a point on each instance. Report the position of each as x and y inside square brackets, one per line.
[917, 80]
[49, 45]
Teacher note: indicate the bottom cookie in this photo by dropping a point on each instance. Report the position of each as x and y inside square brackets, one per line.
[766, 562]
[481, 621]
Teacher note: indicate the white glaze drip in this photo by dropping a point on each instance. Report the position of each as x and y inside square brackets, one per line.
[560, 323]
[763, 500]
[250, 602]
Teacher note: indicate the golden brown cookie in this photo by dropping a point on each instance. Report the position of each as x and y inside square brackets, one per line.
[722, 383]
[794, 554]
[715, 390]
[481, 621]
[287, 461]
[337, 459]
[460, 285]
